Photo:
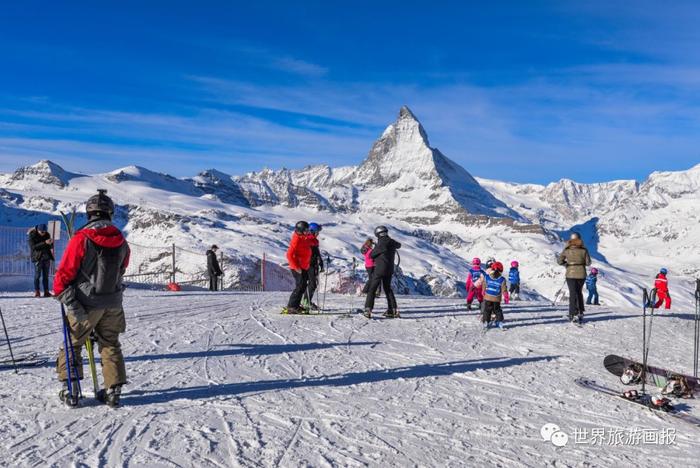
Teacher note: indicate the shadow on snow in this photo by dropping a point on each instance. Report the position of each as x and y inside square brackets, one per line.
[146, 397]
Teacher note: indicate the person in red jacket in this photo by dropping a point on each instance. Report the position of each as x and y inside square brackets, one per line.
[661, 285]
[89, 283]
[299, 259]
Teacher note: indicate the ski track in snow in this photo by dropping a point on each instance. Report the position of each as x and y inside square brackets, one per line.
[223, 379]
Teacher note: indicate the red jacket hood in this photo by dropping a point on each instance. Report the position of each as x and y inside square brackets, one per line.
[108, 236]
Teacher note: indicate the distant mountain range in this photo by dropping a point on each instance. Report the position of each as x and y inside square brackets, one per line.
[442, 214]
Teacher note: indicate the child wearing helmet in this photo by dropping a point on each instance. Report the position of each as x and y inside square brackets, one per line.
[661, 285]
[591, 285]
[366, 251]
[474, 281]
[514, 280]
[494, 289]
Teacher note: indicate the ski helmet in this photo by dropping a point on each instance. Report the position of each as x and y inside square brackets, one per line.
[476, 261]
[514, 264]
[575, 235]
[301, 227]
[381, 231]
[497, 266]
[490, 261]
[594, 271]
[100, 203]
[315, 228]
[663, 271]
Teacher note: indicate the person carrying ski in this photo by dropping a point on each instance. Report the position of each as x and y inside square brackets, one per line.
[576, 258]
[89, 283]
[514, 280]
[494, 289]
[592, 287]
[474, 282]
[383, 255]
[41, 247]
[213, 268]
[299, 259]
[366, 251]
[315, 266]
[662, 293]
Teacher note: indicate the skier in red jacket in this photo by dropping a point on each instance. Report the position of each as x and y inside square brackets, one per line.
[661, 285]
[299, 259]
[89, 283]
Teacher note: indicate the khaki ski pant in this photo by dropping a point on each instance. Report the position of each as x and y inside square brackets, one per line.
[108, 324]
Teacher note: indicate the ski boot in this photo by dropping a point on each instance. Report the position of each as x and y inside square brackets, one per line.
[314, 307]
[485, 325]
[367, 313]
[391, 314]
[580, 319]
[37, 293]
[290, 311]
[660, 402]
[469, 306]
[499, 324]
[70, 399]
[110, 396]
[47, 294]
[632, 375]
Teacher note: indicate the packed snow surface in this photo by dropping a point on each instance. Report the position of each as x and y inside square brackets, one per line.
[222, 379]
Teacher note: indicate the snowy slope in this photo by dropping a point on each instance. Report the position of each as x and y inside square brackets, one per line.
[224, 380]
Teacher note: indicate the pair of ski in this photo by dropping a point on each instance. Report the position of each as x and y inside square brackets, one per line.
[661, 378]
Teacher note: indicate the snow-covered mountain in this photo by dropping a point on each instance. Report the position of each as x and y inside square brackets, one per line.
[441, 214]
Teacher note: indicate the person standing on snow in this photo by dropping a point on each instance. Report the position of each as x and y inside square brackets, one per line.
[213, 268]
[474, 282]
[41, 246]
[299, 259]
[89, 283]
[592, 287]
[514, 280]
[383, 255]
[662, 293]
[316, 265]
[576, 258]
[366, 251]
[494, 288]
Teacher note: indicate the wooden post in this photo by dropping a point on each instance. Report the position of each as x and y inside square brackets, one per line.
[221, 265]
[173, 262]
[262, 272]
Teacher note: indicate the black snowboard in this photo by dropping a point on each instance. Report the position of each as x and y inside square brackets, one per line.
[657, 376]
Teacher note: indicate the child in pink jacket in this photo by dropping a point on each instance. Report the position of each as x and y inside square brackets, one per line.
[475, 279]
[369, 262]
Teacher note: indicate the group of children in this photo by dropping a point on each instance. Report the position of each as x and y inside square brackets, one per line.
[488, 286]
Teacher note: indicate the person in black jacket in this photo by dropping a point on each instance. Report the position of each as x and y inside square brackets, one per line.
[41, 246]
[213, 268]
[315, 267]
[383, 255]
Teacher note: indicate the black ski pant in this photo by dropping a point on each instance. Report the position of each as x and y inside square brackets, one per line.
[313, 284]
[576, 305]
[370, 272]
[375, 283]
[41, 272]
[301, 281]
[213, 283]
[489, 308]
[514, 288]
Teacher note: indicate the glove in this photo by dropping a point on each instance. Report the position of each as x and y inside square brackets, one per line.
[506, 297]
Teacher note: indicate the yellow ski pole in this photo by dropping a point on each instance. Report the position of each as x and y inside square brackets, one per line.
[91, 360]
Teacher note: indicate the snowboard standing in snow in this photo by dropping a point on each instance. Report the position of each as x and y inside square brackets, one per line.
[647, 401]
[630, 373]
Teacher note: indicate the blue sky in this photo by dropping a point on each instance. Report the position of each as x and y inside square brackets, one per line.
[522, 91]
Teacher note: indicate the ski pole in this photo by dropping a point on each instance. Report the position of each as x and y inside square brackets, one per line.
[325, 282]
[91, 360]
[69, 377]
[12, 356]
[696, 357]
[68, 342]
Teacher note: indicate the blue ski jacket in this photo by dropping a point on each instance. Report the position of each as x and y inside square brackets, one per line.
[514, 276]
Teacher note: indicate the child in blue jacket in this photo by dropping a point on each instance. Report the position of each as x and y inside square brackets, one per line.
[591, 285]
[514, 280]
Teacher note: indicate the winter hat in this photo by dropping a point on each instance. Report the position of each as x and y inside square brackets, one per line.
[594, 271]
[514, 264]
[215, 247]
[41, 227]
